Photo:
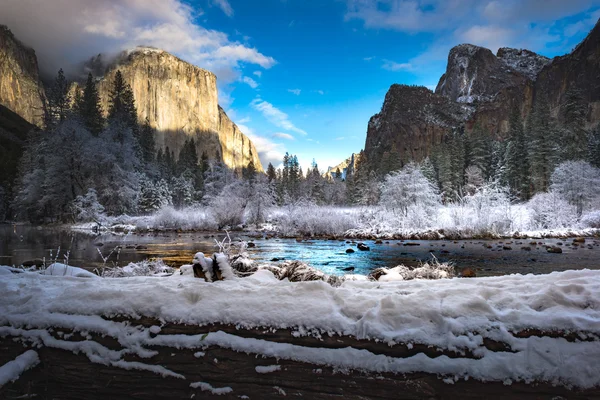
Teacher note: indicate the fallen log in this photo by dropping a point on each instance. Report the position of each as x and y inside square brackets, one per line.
[226, 373]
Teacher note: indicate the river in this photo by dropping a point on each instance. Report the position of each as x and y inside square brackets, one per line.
[21, 243]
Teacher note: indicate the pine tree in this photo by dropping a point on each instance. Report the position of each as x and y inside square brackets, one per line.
[517, 160]
[88, 107]
[543, 151]
[594, 147]
[575, 135]
[338, 174]
[147, 142]
[271, 173]
[58, 101]
[122, 106]
[481, 151]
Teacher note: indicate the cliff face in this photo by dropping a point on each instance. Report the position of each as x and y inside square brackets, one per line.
[481, 88]
[349, 164]
[413, 119]
[21, 90]
[181, 102]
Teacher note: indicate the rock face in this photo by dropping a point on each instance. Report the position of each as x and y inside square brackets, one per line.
[349, 164]
[481, 88]
[181, 102]
[21, 90]
[413, 119]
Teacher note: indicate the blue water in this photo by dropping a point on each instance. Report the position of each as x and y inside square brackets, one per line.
[22, 243]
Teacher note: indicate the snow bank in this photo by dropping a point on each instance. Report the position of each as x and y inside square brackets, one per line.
[458, 315]
[12, 370]
[143, 268]
[59, 269]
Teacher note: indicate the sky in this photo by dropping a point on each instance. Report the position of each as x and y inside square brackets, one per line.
[302, 76]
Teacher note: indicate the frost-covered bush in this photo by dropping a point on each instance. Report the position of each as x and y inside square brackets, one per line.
[307, 219]
[410, 196]
[591, 219]
[87, 208]
[550, 210]
[186, 219]
[143, 268]
[261, 196]
[487, 211]
[578, 182]
[227, 208]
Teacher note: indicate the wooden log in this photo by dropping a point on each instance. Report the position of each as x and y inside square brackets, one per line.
[65, 375]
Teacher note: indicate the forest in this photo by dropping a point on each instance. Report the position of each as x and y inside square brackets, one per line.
[83, 167]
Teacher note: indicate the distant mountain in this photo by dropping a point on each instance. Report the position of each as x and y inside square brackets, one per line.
[349, 164]
[21, 89]
[178, 98]
[481, 88]
[181, 102]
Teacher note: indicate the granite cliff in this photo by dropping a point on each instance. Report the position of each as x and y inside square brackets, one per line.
[481, 88]
[178, 98]
[21, 90]
[345, 167]
[181, 101]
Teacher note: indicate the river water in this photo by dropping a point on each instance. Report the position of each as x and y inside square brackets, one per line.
[488, 257]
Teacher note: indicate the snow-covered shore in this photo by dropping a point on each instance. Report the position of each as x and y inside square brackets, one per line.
[452, 314]
[449, 222]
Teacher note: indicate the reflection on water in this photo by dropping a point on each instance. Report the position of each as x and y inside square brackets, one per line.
[22, 243]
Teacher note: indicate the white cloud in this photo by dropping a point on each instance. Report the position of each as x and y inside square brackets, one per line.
[224, 6]
[394, 66]
[275, 115]
[268, 151]
[340, 138]
[250, 82]
[527, 24]
[110, 26]
[244, 120]
[368, 58]
[282, 135]
[258, 73]
[295, 91]
[320, 92]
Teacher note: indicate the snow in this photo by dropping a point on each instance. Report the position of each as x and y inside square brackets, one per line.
[266, 369]
[59, 269]
[454, 314]
[12, 370]
[207, 387]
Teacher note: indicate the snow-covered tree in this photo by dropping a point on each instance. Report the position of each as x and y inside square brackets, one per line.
[87, 208]
[153, 195]
[407, 191]
[549, 210]
[261, 196]
[578, 182]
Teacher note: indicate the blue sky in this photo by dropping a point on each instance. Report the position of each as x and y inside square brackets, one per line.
[302, 76]
[335, 60]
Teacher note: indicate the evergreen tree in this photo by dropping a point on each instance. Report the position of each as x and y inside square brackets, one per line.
[271, 173]
[481, 151]
[543, 151]
[88, 107]
[58, 101]
[517, 160]
[594, 147]
[147, 142]
[428, 171]
[338, 174]
[575, 135]
[122, 103]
